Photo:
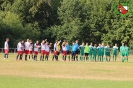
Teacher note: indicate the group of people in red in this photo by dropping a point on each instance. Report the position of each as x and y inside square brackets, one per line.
[31, 50]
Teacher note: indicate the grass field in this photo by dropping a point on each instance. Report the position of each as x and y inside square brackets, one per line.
[60, 74]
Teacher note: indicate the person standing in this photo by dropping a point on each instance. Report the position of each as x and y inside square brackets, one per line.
[81, 47]
[54, 54]
[86, 52]
[27, 44]
[64, 51]
[68, 50]
[36, 48]
[77, 50]
[30, 49]
[122, 52]
[114, 52]
[126, 53]
[42, 50]
[90, 51]
[107, 52]
[102, 52]
[94, 52]
[6, 48]
[57, 50]
[20, 48]
[99, 52]
[47, 50]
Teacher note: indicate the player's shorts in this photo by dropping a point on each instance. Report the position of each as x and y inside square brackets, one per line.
[64, 52]
[26, 51]
[68, 52]
[35, 52]
[6, 51]
[47, 53]
[20, 52]
[86, 54]
[107, 53]
[30, 52]
[77, 51]
[43, 52]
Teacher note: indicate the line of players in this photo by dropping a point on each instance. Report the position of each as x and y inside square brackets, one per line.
[87, 52]
[28, 46]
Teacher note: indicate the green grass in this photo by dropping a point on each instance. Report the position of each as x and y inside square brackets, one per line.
[53, 74]
[21, 82]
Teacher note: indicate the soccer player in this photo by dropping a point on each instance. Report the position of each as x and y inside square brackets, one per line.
[122, 52]
[20, 49]
[90, 51]
[47, 50]
[64, 51]
[30, 49]
[57, 50]
[27, 44]
[77, 50]
[126, 53]
[114, 52]
[81, 47]
[107, 52]
[42, 50]
[36, 48]
[102, 51]
[94, 52]
[86, 51]
[6, 48]
[68, 50]
[54, 55]
[73, 52]
[99, 52]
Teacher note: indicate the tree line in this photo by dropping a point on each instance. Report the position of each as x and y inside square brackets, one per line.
[86, 20]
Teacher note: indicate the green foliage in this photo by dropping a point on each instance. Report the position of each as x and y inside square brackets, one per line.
[87, 20]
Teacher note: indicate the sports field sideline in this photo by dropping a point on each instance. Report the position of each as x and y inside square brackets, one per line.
[60, 74]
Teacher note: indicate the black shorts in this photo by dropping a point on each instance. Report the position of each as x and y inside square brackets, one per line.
[68, 52]
[77, 51]
[86, 54]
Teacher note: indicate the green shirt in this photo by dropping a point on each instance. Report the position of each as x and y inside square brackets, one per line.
[90, 49]
[94, 51]
[127, 50]
[115, 50]
[86, 50]
[122, 50]
[81, 49]
[99, 49]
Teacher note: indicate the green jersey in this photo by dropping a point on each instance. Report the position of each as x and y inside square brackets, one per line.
[86, 49]
[115, 50]
[81, 49]
[99, 49]
[126, 51]
[122, 50]
[102, 50]
[107, 51]
[90, 49]
[94, 51]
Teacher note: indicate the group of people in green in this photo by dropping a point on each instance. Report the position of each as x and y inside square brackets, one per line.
[102, 52]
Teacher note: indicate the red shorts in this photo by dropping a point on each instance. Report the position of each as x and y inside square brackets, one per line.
[30, 52]
[43, 52]
[47, 53]
[20, 52]
[6, 51]
[35, 52]
[64, 52]
[55, 52]
[26, 51]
